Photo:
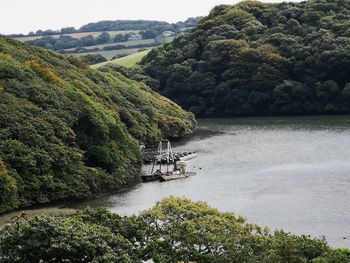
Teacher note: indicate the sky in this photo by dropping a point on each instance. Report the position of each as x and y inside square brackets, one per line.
[23, 16]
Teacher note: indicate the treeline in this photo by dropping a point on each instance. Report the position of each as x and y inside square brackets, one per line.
[122, 25]
[92, 59]
[260, 59]
[142, 25]
[68, 42]
[68, 131]
[117, 25]
[175, 230]
[69, 45]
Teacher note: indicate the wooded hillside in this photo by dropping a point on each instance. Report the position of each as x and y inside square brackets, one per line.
[67, 131]
[260, 59]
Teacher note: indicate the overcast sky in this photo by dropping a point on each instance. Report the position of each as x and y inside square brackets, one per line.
[23, 16]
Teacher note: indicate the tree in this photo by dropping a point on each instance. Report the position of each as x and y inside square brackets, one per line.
[92, 59]
[68, 30]
[102, 38]
[87, 41]
[8, 190]
[46, 239]
[120, 38]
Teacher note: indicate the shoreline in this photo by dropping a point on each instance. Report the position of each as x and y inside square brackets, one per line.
[70, 206]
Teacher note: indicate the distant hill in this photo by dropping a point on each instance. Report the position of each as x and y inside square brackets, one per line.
[115, 25]
[68, 131]
[124, 37]
[255, 58]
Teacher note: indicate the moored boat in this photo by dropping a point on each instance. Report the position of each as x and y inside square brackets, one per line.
[152, 177]
[179, 169]
[158, 160]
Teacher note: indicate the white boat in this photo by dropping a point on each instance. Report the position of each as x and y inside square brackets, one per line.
[188, 157]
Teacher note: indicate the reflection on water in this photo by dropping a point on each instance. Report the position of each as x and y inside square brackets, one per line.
[291, 173]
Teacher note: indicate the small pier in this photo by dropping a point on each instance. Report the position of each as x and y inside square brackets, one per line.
[148, 157]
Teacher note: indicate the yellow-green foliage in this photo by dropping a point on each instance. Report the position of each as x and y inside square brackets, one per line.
[8, 190]
[5, 56]
[43, 72]
[2, 89]
[127, 61]
[68, 131]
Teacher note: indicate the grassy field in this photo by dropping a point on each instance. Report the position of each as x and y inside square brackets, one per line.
[128, 61]
[127, 43]
[108, 54]
[79, 35]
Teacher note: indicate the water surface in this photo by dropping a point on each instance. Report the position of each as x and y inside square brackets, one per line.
[291, 173]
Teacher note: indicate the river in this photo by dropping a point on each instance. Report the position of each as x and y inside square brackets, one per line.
[282, 172]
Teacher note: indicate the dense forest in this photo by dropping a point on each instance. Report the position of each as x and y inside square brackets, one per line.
[67, 131]
[175, 230]
[259, 59]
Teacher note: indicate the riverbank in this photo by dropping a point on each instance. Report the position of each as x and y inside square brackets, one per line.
[64, 208]
[289, 173]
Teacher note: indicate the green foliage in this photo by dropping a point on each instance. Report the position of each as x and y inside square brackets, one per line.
[92, 59]
[67, 131]
[8, 190]
[174, 230]
[259, 59]
[46, 239]
[104, 37]
[179, 228]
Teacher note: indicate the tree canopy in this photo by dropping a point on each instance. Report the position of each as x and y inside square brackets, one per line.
[176, 229]
[255, 58]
